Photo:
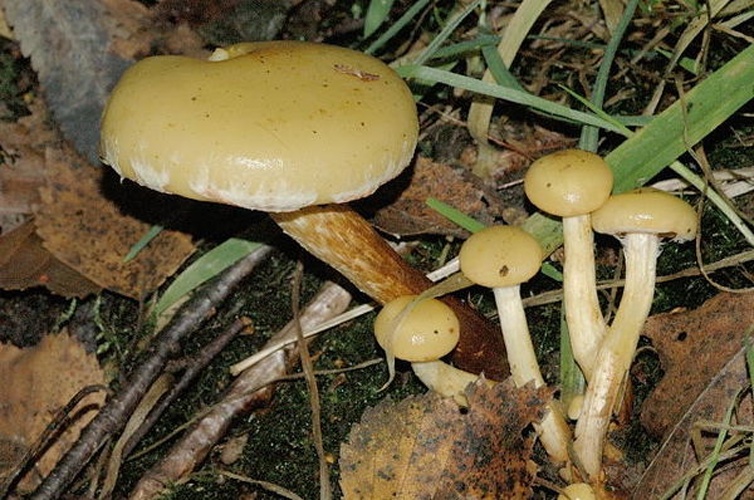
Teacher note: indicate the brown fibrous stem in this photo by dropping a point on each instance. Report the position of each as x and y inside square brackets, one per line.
[341, 238]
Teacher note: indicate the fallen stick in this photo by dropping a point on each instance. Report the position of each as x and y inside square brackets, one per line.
[251, 389]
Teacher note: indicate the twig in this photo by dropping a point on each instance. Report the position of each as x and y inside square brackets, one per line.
[62, 420]
[251, 389]
[115, 413]
[307, 367]
[194, 366]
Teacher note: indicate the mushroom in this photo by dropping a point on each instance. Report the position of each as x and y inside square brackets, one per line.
[501, 258]
[421, 331]
[640, 220]
[291, 128]
[571, 184]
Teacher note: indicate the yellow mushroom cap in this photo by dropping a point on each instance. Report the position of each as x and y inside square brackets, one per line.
[569, 182]
[500, 256]
[417, 330]
[647, 210]
[274, 126]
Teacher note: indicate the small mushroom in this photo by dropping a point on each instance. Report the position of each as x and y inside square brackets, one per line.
[640, 220]
[423, 330]
[501, 258]
[571, 184]
[292, 128]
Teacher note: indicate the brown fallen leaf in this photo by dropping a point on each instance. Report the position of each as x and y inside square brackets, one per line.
[693, 347]
[678, 455]
[410, 215]
[425, 447]
[38, 381]
[25, 263]
[22, 146]
[88, 232]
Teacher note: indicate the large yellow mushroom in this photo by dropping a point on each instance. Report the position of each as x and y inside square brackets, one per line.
[292, 128]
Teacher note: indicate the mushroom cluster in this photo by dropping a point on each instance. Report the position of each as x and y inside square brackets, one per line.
[576, 186]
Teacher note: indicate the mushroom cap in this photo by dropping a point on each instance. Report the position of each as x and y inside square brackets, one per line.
[417, 331]
[273, 126]
[500, 256]
[646, 210]
[569, 182]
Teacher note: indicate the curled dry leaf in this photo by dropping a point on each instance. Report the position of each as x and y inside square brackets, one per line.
[25, 263]
[425, 447]
[43, 380]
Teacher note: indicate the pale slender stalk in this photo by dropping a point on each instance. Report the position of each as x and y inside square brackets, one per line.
[617, 351]
[553, 430]
[586, 325]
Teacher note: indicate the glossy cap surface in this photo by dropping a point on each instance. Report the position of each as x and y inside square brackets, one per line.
[647, 210]
[273, 126]
[500, 256]
[569, 182]
[417, 331]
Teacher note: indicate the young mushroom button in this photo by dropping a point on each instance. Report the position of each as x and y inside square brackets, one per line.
[571, 184]
[421, 331]
[501, 258]
[291, 128]
[640, 220]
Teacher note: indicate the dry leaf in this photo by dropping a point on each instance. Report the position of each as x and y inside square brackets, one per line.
[677, 456]
[425, 447]
[38, 381]
[87, 231]
[25, 263]
[693, 347]
[68, 47]
[22, 146]
[410, 215]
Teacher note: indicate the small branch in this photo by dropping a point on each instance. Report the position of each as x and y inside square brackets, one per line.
[251, 389]
[115, 413]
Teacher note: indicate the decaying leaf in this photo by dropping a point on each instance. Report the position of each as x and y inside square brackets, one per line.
[678, 454]
[425, 447]
[693, 347]
[25, 263]
[22, 145]
[703, 354]
[410, 215]
[38, 381]
[87, 231]
[68, 44]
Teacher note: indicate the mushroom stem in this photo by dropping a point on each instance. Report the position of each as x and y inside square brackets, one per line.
[341, 238]
[586, 325]
[554, 431]
[617, 351]
[518, 344]
[446, 380]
